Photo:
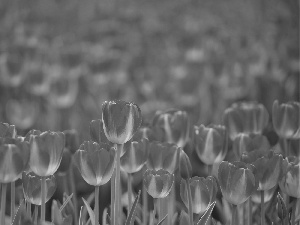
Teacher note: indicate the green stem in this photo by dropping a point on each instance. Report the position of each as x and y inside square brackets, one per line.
[96, 208]
[293, 211]
[250, 211]
[129, 187]
[3, 203]
[244, 212]
[262, 207]
[145, 205]
[118, 187]
[35, 219]
[112, 195]
[209, 170]
[29, 209]
[65, 184]
[43, 204]
[190, 208]
[12, 200]
[234, 215]
[73, 189]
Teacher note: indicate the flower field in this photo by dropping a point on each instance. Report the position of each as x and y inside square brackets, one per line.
[149, 112]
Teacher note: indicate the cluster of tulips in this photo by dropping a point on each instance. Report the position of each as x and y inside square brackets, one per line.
[256, 175]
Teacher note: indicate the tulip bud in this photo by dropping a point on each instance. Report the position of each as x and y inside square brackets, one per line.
[158, 183]
[173, 126]
[210, 143]
[72, 140]
[286, 119]
[203, 193]
[237, 182]
[46, 152]
[32, 187]
[14, 156]
[120, 120]
[245, 117]
[244, 143]
[95, 162]
[163, 156]
[290, 182]
[7, 130]
[97, 133]
[185, 166]
[135, 155]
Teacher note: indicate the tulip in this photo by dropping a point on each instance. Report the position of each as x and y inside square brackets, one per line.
[97, 133]
[72, 140]
[211, 143]
[95, 162]
[163, 156]
[144, 132]
[185, 166]
[46, 152]
[173, 126]
[7, 130]
[245, 117]
[286, 119]
[203, 192]
[65, 162]
[158, 183]
[120, 120]
[31, 133]
[237, 182]
[32, 187]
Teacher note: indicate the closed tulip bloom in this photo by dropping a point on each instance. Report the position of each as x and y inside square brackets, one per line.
[46, 152]
[203, 191]
[65, 162]
[210, 143]
[7, 130]
[163, 156]
[158, 183]
[97, 133]
[135, 155]
[185, 166]
[144, 132]
[120, 120]
[290, 182]
[32, 187]
[173, 126]
[286, 119]
[245, 117]
[237, 182]
[95, 162]
[14, 156]
[72, 140]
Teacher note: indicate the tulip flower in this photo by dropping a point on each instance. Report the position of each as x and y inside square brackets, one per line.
[14, 156]
[72, 140]
[203, 192]
[144, 132]
[245, 117]
[286, 119]
[210, 143]
[65, 162]
[172, 126]
[7, 130]
[97, 133]
[120, 120]
[237, 181]
[163, 156]
[158, 183]
[31, 133]
[185, 166]
[32, 187]
[46, 152]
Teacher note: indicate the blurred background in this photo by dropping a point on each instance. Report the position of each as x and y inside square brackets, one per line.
[61, 59]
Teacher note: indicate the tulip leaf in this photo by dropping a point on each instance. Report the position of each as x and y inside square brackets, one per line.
[65, 202]
[90, 211]
[162, 220]
[20, 210]
[203, 220]
[130, 218]
[80, 216]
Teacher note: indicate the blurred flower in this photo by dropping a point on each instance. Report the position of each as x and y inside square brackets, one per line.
[163, 156]
[244, 143]
[135, 155]
[268, 194]
[210, 143]
[11, 67]
[144, 132]
[245, 117]
[172, 126]
[185, 166]
[158, 183]
[120, 120]
[286, 119]
[72, 140]
[46, 150]
[65, 162]
[237, 181]
[290, 182]
[32, 187]
[203, 191]
[7, 130]
[14, 156]
[95, 162]
[97, 133]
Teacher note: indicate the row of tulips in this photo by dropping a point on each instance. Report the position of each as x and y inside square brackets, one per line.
[161, 153]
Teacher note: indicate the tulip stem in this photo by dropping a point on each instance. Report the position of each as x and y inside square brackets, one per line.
[234, 215]
[43, 204]
[293, 211]
[129, 187]
[118, 187]
[3, 203]
[190, 209]
[73, 189]
[250, 211]
[145, 204]
[12, 200]
[262, 207]
[96, 208]
[209, 170]
[112, 196]
[29, 208]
